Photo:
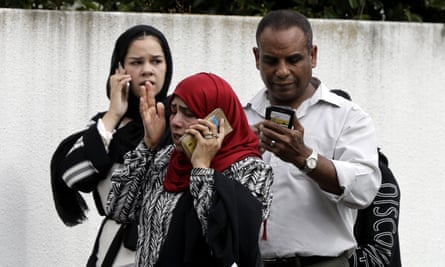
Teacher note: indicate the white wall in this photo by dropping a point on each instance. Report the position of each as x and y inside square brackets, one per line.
[53, 67]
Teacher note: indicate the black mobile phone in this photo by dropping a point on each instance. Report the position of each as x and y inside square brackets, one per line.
[281, 115]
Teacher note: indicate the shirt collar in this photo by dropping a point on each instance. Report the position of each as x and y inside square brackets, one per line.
[260, 102]
[323, 94]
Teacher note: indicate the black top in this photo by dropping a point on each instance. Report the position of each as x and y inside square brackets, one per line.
[376, 228]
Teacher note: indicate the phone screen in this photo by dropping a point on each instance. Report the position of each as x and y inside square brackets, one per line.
[281, 116]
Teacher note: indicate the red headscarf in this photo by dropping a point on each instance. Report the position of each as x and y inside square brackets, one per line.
[202, 93]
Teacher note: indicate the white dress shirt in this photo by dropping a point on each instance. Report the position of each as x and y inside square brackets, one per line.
[304, 219]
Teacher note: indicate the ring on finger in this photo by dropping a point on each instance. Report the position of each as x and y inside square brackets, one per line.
[208, 136]
[272, 143]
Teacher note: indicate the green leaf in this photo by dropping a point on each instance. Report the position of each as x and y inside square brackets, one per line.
[439, 4]
[353, 4]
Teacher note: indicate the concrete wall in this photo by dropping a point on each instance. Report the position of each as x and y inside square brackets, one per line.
[52, 79]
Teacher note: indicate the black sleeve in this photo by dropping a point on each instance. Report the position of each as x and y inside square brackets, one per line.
[233, 223]
[79, 149]
[70, 205]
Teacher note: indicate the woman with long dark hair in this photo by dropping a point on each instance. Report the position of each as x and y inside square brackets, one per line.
[83, 162]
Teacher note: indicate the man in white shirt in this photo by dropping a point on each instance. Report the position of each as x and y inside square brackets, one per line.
[325, 166]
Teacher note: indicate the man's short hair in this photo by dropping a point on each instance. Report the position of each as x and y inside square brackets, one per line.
[284, 19]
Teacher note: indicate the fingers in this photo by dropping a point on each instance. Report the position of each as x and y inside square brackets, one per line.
[208, 130]
[119, 88]
[222, 130]
[267, 138]
[143, 107]
[148, 94]
[209, 141]
[151, 94]
[120, 81]
[153, 118]
[269, 131]
[214, 131]
[274, 137]
[123, 77]
[297, 125]
[255, 128]
[147, 97]
[160, 110]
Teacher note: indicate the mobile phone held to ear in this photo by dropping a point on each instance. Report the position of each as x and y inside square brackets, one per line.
[188, 141]
[281, 115]
[122, 70]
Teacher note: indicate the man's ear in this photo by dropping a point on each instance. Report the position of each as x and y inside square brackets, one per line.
[314, 50]
[256, 53]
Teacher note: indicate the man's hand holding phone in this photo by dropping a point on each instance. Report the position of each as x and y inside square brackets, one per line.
[280, 115]
[279, 122]
[282, 134]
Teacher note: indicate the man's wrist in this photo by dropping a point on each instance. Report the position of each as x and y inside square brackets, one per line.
[311, 162]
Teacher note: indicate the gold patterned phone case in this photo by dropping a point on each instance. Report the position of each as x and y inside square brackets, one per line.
[188, 142]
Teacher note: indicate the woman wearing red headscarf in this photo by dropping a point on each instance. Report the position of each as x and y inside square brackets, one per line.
[202, 210]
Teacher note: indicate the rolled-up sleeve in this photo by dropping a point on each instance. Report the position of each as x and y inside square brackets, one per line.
[356, 162]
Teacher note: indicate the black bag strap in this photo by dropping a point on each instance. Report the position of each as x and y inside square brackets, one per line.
[114, 248]
[111, 254]
[93, 257]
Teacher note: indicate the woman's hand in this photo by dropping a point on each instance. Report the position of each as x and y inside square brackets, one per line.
[209, 141]
[119, 87]
[153, 116]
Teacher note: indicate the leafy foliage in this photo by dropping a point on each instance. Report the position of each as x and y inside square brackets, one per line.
[389, 10]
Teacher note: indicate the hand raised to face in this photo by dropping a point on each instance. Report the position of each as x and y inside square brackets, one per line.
[209, 140]
[153, 115]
